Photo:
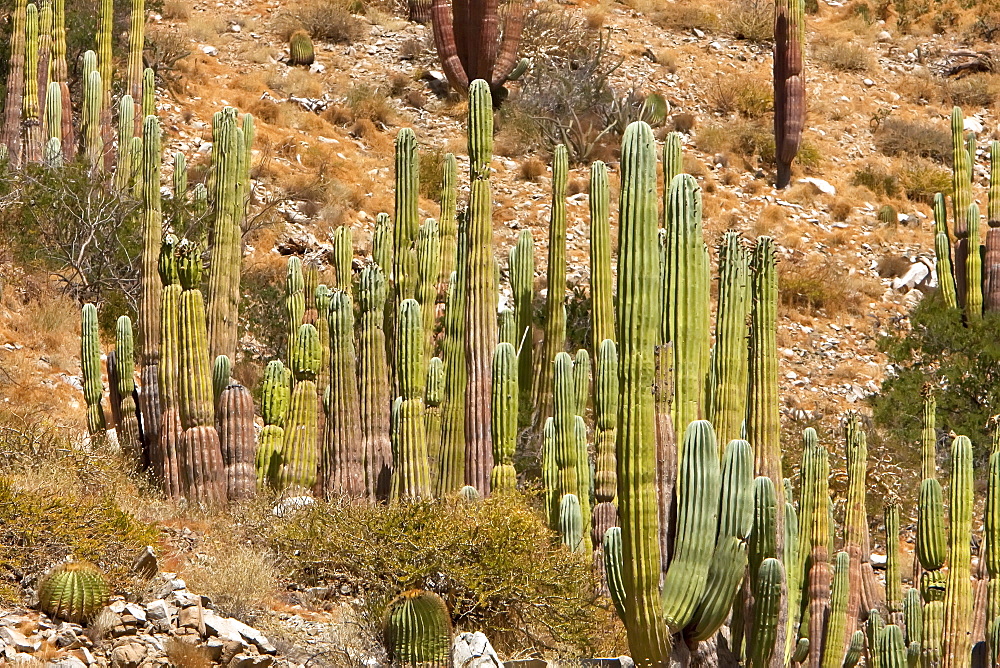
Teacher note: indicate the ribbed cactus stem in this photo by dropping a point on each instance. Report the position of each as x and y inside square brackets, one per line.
[148, 92]
[90, 365]
[45, 20]
[299, 451]
[913, 616]
[30, 115]
[893, 577]
[91, 121]
[128, 428]
[295, 300]
[991, 539]
[729, 360]
[606, 386]
[451, 462]
[789, 84]
[571, 523]
[973, 267]
[15, 85]
[417, 630]
[481, 296]
[136, 43]
[581, 380]
[554, 339]
[407, 217]
[411, 475]
[53, 112]
[274, 400]
[638, 323]
[222, 376]
[342, 461]
[126, 130]
[566, 452]
[105, 27]
[673, 157]
[942, 249]
[164, 452]
[817, 541]
[503, 417]
[149, 302]
[834, 641]
[448, 221]
[991, 268]
[763, 429]
[697, 494]
[433, 398]
[522, 283]
[956, 640]
[373, 372]
[602, 310]
[227, 248]
[767, 612]
[382, 244]
[686, 300]
[428, 244]
[236, 435]
[961, 175]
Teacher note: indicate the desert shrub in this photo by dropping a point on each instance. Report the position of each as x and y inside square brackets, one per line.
[877, 179]
[262, 309]
[974, 91]
[496, 563]
[79, 229]
[921, 179]
[816, 283]
[686, 16]
[844, 55]
[743, 137]
[750, 96]
[328, 20]
[238, 578]
[431, 168]
[72, 515]
[531, 168]
[896, 136]
[960, 359]
[370, 103]
[752, 20]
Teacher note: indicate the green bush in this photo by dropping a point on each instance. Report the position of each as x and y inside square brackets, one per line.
[496, 563]
[961, 360]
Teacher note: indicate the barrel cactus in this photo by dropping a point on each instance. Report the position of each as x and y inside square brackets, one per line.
[74, 591]
[300, 48]
[417, 630]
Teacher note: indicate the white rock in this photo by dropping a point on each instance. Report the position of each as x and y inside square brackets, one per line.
[317, 68]
[972, 124]
[473, 650]
[914, 276]
[209, 50]
[18, 640]
[884, 36]
[868, 82]
[290, 505]
[821, 185]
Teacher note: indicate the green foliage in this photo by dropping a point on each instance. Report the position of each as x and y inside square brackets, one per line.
[961, 360]
[495, 562]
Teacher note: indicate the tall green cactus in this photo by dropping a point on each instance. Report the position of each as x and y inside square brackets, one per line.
[105, 66]
[673, 158]
[382, 251]
[835, 637]
[227, 245]
[638, 322]
[503, 417]
[411, 472]
[448, 220]
[428, 243]
[149, 298]
[602, 311]
[433, 398]
[406, 221]
[343, 254]
[451, 462]
[481, 295]
[30, 114]
[686, 283]
[274, 399]
[605, 514]
[45, 21]
[956, 645]
[165, 451]
[202, 478]
[991, 268]
[91, 115]
[973, 267]
[90, 364]
[767, 612]
[961, 179]
[729, 360]
[124, 169]
[128, 428]
[222, 372]
[942, 250]
[295, 301]
[59, 75]
[581, 380]
[53, 113]
[991, 540]
[566, 451]
[373, 372]
[554, 338]
[913, 616]
[299, 452]
[136, 43]
[893, 578]
[570, 523]
[522, 284]
[342, 461]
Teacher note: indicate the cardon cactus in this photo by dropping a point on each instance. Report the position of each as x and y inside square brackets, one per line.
[836, 627]
[295, 300]
[973, 267]
[202, 474]
[11, 137]
[554, 339]
[433, 398]
[74, 591]
[129, 437]
[991, 539]
[913, 616]
[222, 371]
[503, 415]
[90, 364]
[428, 245]
[342, 461]
[603, 312]
[299, 452]
[729, 360]
[451, 460]
[673, 158]
[956, 645]
[767, 605]
[417, 630]
[522, 284]
[481, 297]
[566, 448]
[343, 253]
[165, 451]
[406, 222]
[236, 436]
[789, 84]
[991, 265]
[373, 373]
[300, 48]
[149, 298]
[411, 472]
[605, 514]
[638, 327]
[448, 220]
[893, 579]
[571, 523]
[942, 251]
[274, 399]
[31, 121]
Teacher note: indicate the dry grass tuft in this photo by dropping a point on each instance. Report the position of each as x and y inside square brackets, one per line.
[896, 137]
[749, 95]
[687, 16]
[238, 578]
[974, 91]
[181, 653]
[531, 169]
[752, 20]
[844, 55]
[816, 283]
[892, 266]
[328, 20]
[921, 179]
[877, 179]
[176, 9]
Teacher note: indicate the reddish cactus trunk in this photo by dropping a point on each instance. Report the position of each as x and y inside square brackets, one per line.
[236, 434]
[789, 85]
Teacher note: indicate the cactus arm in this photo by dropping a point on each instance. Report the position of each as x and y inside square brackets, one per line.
[411, 473]
[522, 283]
[503, 417]
[90, 364]
[729, 362]
[789, 84]
[602, 313]
[956, 639]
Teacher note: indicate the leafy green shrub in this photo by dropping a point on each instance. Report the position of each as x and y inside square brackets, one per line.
[961, 360]
[921, 179]
[877, 179]
[496, 563]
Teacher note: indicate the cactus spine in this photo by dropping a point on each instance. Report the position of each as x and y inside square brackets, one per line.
[411, 473]
[638, 320]
[373, 373]
[90, 364]
[481, 297]
[602, 312]
[503, 414]
[554, 340]
[729, 361]
[956, 645]
[342, 463]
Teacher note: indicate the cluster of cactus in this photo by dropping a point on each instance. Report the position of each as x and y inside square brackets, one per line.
[968, 275]
[74, 591]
